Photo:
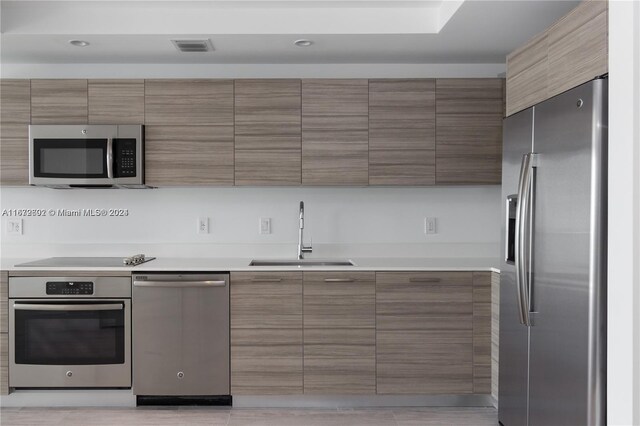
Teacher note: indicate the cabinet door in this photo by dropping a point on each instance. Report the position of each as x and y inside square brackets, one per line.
[424, 333]
[339, 333]
[15, 116]
[469, 131]
[58, 101]
[116, 101]
[335, 148]
[188, 155]
[578, 48]
[266, 333]
[268, 148]
[189, 134]
[189, 102]
[528, 74]
[482, 332]
[4, 302]
[402, 124]
[4, 363]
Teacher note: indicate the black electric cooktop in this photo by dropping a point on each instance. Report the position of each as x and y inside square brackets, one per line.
[87, 262]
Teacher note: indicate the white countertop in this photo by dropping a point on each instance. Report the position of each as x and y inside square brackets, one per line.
[235, 264]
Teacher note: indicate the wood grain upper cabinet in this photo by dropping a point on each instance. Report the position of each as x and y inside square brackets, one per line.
[335, 147]
[59, 101]
[189, 132]
[578, 47]
[469, 131]
[189, 155]
[528, 74]
[402, 126]
[15, 115]
[268, 148]
[189, 102]
[266, 333]
[571, 52]
[424, 332]
[116, 101]
[339, 333]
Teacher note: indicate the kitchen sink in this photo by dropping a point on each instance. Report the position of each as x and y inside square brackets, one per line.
[301, 262]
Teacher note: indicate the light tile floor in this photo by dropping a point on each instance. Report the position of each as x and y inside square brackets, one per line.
[160, 416]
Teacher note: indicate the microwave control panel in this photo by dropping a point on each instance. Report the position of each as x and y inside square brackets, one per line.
[69, 287]
[125, 156]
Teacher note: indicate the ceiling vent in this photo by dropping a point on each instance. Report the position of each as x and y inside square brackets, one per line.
[191, 46]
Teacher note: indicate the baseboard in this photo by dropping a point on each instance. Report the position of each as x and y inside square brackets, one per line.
[69, 398]
[350, 401]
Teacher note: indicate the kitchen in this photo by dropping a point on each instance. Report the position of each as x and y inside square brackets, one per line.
[327, 210]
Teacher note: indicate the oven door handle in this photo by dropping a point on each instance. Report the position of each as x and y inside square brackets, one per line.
[69, 307]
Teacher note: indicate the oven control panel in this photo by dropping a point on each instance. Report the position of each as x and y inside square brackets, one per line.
[70, 287]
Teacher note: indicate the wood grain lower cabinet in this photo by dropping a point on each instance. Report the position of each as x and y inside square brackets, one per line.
[116, 101]
[266, 333]
[189, 155]
[4, 302]
[424, 332]
[4, 336]
[335, 147]
[4, 363]
[339, 333]
[402, 123]
[59, 101]
[15, 116]
[469, 131]
[495, 333]
[268, 132]
[482, 332]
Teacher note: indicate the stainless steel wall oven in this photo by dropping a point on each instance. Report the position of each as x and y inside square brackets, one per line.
[70, 332]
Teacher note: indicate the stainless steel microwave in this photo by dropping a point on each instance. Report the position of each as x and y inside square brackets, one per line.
[86, 155]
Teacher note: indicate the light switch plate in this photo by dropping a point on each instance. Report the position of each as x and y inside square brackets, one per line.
[430, 225]
[14, 226]
[265, 226]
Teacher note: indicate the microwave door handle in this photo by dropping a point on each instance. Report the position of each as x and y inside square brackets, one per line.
[110, 158]
[69, 307]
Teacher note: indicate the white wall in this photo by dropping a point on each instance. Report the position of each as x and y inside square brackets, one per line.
[623, 382]
[92, 70]
[345, 216]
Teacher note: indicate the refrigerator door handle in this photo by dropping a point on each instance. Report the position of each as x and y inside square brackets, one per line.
[521, 247]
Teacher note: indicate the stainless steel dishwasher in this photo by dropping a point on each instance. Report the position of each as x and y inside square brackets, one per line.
[180, 335]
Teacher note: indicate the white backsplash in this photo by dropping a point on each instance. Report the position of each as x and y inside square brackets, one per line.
[340, 221]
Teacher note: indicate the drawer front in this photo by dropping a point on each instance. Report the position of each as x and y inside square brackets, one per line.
[339, 299]
[266, 300]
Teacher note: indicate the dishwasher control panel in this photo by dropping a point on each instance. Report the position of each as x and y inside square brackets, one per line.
[70, 287]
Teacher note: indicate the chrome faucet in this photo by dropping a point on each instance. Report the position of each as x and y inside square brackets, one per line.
[302, 249]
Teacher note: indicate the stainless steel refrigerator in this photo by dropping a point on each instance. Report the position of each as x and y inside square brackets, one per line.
[553, 280]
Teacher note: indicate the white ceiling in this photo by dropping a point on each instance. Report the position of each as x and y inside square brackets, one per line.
[263, 31]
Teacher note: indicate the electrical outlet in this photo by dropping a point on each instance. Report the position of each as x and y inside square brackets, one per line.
[430, 225]
[264, 225]
[203, 225]
[14, 226]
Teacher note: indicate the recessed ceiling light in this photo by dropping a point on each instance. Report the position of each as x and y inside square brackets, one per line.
[303, 42]
[79, 43]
